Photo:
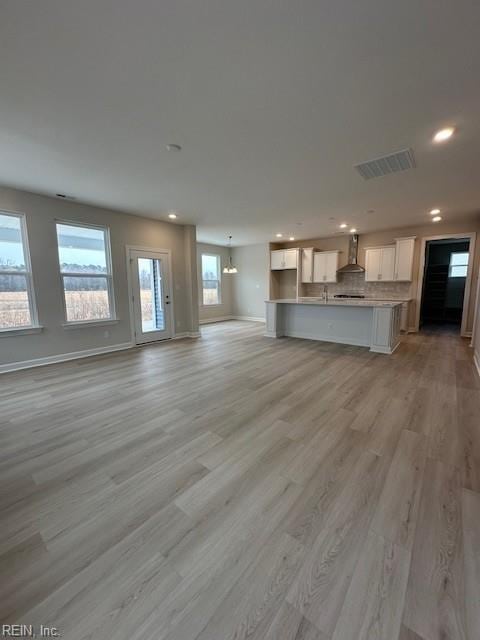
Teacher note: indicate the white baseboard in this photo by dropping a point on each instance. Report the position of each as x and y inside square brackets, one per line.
[224, 318]
[467, 334]
[476, 360]
[217, 319]
[63, 357]
[249, 318]
[186, 334]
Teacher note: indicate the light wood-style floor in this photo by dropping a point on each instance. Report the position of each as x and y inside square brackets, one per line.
[238, 487]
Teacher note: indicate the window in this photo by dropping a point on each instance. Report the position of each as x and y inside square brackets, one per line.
[211, 279]
[85, 267]
[458, 265]
[17, 305]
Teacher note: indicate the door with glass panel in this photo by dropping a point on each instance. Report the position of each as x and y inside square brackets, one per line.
[151, 295]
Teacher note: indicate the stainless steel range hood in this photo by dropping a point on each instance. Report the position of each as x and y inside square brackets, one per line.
[352, 266]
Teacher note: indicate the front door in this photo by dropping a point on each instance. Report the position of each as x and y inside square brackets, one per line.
[151, 295]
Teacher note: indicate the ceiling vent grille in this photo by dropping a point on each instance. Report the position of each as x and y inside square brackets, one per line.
[399, 161]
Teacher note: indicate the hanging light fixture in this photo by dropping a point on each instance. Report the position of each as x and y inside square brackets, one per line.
[229, 268]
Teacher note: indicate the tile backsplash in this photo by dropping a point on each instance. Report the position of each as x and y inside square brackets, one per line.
[355, 283]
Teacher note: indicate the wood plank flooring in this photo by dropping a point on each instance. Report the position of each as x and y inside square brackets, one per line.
[237, 487]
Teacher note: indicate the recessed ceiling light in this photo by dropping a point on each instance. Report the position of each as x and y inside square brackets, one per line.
[353, 230]
[291, 238]
[444, 134]
[343, 225]
[173, 147]
[436, 219]
[434, 212]
[279, 235]
[172, 215]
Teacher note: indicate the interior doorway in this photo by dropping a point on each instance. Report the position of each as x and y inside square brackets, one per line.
[443, 304]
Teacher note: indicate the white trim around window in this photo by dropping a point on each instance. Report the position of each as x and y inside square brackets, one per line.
[218, 279]
[107, 275]
[26, 272]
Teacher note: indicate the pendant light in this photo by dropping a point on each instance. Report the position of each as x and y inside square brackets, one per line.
[229, 268]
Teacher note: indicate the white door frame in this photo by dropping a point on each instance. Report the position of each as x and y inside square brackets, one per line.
[128, 249]
[468, 282]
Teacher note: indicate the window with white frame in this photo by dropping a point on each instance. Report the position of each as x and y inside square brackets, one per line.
[458, 264]
[211, 279]
[17, 303]
[86, 271]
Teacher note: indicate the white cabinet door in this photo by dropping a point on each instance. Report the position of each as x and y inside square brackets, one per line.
[290, 260]
[387, 270]
[307, 265]
[404, 259]
[277, 259]
[373, 265]
[331, 266]
[325, 265]
[319, 267]
[380, 264]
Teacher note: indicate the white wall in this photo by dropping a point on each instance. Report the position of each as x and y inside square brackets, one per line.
[250, 288]
[225, 309]
[41, 213]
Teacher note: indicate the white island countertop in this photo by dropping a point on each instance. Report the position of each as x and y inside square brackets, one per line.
[339, 302]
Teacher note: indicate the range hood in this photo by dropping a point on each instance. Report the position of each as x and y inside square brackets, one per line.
[352, 266]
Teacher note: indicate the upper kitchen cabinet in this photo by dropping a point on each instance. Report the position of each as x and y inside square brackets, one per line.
[283, 259]
[390, 263]
[404, 249]
[307, 265]
[325, 265]
[379, 264]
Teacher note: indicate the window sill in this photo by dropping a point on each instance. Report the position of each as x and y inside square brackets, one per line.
[90, 323]
[19, 331]
[209, 306]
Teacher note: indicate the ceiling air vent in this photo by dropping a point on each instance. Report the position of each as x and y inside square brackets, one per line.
[399, 161]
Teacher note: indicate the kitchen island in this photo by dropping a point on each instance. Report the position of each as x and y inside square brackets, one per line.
[365, 323]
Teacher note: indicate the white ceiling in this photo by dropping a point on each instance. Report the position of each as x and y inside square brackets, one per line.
[272, 102]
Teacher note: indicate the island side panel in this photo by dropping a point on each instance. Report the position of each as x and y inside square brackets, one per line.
[273, 320]
[346, 325]
[386, 329]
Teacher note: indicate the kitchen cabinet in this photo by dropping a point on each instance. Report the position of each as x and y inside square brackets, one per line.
[291, 258]
[404, 249]
[307, 265]
[283, 259]
[392, 263]
[380, 264]
[325, 265]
